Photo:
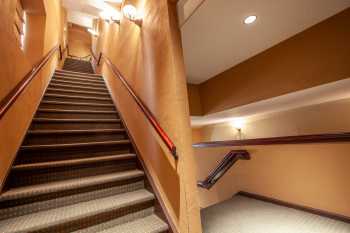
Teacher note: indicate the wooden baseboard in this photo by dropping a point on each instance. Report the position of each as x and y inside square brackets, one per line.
[319, 212]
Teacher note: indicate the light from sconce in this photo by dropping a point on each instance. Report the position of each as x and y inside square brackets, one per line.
[94, 33]
[250, 19]
[114, 1]
[238, 123]
[131, 13]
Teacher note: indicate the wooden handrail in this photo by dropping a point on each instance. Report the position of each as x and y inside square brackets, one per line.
[149, 115]
[229, 160]
[10, 99]
[302, 139]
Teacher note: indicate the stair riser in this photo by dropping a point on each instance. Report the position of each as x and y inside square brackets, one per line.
[82, 81]
[78, 87]
[88, 71]
[97, 219]
[77, 99]
[68, 72]
[56, 200]
[83, 76]
[44, 139]
[78, 83]
[36, 156]
[76, 107]
[75, 125]
[23, 178]
[77, 93]
[56, 115]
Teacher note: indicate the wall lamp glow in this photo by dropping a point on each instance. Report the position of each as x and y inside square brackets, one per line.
[250, 19]
[238, 123]
[131, 13]
[94, 33]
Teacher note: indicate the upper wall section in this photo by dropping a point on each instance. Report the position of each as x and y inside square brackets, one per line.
[319, 55]
[79, 41]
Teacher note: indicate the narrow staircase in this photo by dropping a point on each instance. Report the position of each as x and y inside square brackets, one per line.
[77, 170]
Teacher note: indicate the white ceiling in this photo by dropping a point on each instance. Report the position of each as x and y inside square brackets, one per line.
[82, 12]
[215, 37]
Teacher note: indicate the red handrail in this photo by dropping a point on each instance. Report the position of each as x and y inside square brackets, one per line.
[149, 115]
[10, 99]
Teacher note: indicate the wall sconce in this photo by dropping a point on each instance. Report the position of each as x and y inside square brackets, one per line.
[238, 123]
[131, 13]
[116, 17]
[106, 16]
[94, 33]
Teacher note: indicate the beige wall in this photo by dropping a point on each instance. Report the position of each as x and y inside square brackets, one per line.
[319, 55]
[293, 173]
[15, 64]
[150, 58]
[79, 41]
[194, 100]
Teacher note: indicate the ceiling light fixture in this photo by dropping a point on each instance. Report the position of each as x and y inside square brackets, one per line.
[250, 19]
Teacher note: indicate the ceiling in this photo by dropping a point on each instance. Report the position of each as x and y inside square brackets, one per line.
[215, 38]
[82, 12]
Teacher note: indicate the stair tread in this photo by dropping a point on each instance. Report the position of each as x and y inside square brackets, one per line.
[77, 131]
[64, 77]
[69, 71]
[79, 92]
[74, 111]
[77, 97]
[54, 217]
[77, 103]
[148, 224]
[71, 162]
[56, 186]
[58, 85]
[76, 120]
[72, 145]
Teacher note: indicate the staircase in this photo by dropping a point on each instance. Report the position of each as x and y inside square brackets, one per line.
[76, 170]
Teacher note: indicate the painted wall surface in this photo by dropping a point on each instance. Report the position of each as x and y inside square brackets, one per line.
[319, 55]
[15, 64]
[194, 100]
[293, 173]
[150, 58]
[79, 41]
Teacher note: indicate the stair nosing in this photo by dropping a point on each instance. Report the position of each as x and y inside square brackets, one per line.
[52, 110]
[79, 131]
[58, 77]
[73, 145]
[72, 162]
[76, 86]
[75, 183]
[78, 92]
[63, 71]
[76, 120]
[77, 103]
[76, 97]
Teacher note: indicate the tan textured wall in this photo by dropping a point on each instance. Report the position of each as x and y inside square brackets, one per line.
[194, 100]
[316, 56]
[13, 66]
[79, 40]
[150, 58]
[292, 173]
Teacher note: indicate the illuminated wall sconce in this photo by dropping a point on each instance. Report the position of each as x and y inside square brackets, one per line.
[116, 17]
[238, 123]
[106, 16]
[131, 13]
[94, 33]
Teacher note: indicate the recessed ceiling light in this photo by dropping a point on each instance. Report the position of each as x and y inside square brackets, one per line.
[250, 19]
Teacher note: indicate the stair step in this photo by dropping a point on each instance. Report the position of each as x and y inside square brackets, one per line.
[68, 105]
[89, 131]
[72, 124]
[77, 79]
[91, 78]
[72, 184]
[73, 145]
[55, 90]
[76, 73]
[148, 224]
[76, 114]
[74, 213]
[76, 87]
[66, 163]
[77, 111]
[77, 98]
[47, 120]
[65, 82]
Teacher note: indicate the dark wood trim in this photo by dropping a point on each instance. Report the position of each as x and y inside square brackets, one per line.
[297, 207]
[11, 97]
[229, 160]
[302, 139]
[149, 115]
[148, 175]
